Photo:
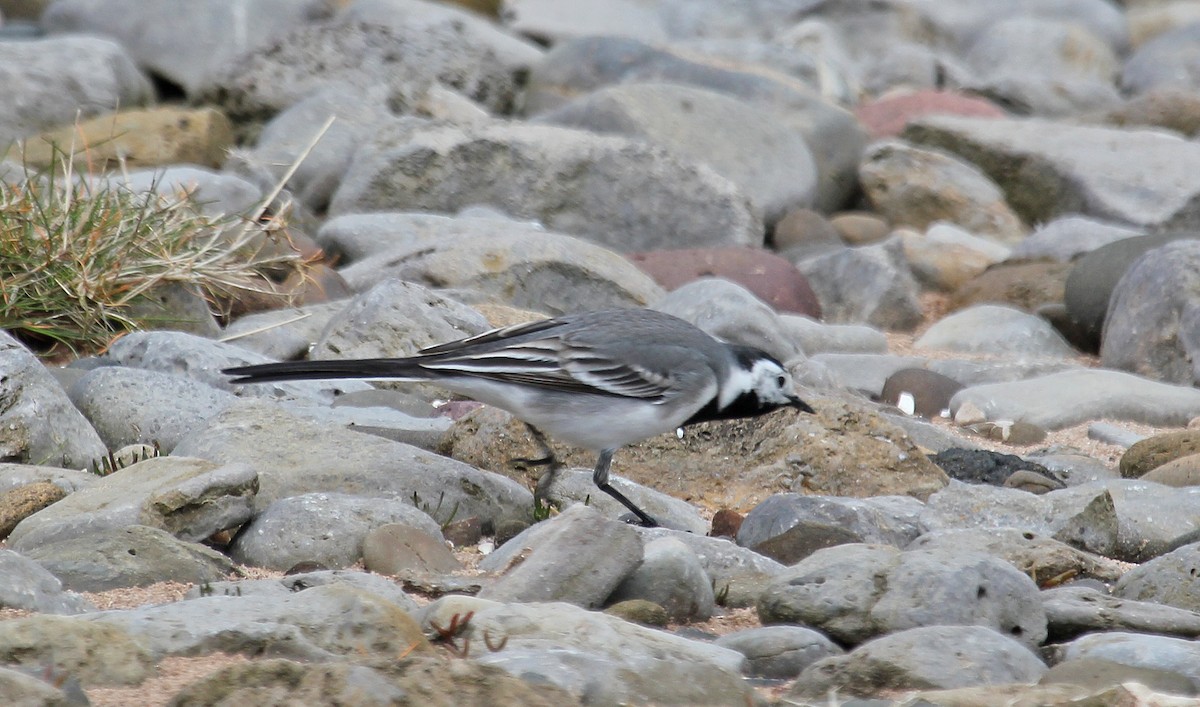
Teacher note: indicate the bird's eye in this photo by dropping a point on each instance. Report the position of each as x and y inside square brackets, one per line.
[781, 381]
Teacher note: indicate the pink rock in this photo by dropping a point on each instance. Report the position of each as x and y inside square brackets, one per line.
[887, 116]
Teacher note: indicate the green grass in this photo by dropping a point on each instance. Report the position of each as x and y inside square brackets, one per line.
[75, 257]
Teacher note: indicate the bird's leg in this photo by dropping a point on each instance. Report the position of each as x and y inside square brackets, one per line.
[547, 460]
[600, 477]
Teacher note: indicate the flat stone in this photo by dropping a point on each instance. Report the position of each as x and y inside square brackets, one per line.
[1072, 611]
[95, 654]
[30, 587]
[779, 652]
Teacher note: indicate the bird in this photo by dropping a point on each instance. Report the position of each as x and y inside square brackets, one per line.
[599, 380]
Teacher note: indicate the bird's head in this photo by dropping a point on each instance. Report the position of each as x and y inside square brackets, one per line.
[758, 384]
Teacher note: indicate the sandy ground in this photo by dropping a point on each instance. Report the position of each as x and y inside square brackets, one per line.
[175, 673]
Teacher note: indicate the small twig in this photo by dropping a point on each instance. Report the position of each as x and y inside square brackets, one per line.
[265, 327]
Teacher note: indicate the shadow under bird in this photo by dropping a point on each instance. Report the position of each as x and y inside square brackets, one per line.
[598, 380]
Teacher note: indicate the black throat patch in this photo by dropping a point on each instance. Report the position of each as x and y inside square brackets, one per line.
[745, 405]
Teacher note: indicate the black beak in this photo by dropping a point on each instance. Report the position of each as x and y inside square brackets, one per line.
[800, 405]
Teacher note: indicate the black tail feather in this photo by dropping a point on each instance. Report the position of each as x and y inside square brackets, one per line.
[393, 368]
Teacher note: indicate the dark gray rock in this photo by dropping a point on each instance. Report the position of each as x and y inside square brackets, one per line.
[590, 654]
[133, 556]
[28, 586]
[779, 652]
[294, 457]
[866, 285]
[995, 329]
[189, 498]
[38, 423]
[981, 466]
[1164, 653]
[1071, 611]
[788, 527]
[324, 528]
[923, 658]
[856, 592]
[130, 405]
[615, 191]
[1153, 325]
[672, 577]
[730, 312]
[578, 557]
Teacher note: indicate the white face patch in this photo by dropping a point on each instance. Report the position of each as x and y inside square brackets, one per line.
[767, 379]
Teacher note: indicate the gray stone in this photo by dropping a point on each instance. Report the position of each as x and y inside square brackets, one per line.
[770, 161]
[576, 486]
[350, 53]
[396, 549]
[293, 457]
[1075, 610]
[16, 475]
[38, 423]
[1153, 325]
[189, 498]
[93, 654]
[924, 657]
[556, 21]
[282, 334]
[320, 624]
[779, 652]
[28, 586]
[202, 360]
[672, 577]
[1168, 60]
[995, 329]
[131, 556]
[735, 573]
[1075, 469]
[864, 372]
[165, 39]
[1113, 682]
[1071, 397]
[381, 421]
[1168, 579]
[787, 526]
[323, 528]
[578, 557]
[214, 193]
[866, 285]
[129, 405]
[947, 258]
[356, 236]
[602, 657]
[1047, 561]
[1165, 653]
[301, 581]
[816, 337]
[518, 265]
[998, 370]
[615, 191]
[25, 688]
[1051, 169]
[958, 22]
[1068, 237]
[855, 592]
[917, 187]
[54, 80]
[731, 313]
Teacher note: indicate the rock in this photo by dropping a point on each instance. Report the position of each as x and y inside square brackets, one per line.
[129, 405]
[320, 624]
[1162, 653]
[994, 329]
[864, 373]
[917, 391]
[979, 466]
[1168, 107]
[1164, 580]
[189, 498]
[917, 187]
[768, 277]
[94, 654]
[1045, 560]
[578, 557]
[282, 334]
[1049, 169]
[38, 423]
[618, 192]
[294, 457]
[1025, 286]
[1066, 238]
[572, 486]
[22, 687]
[130, 556]
[887, 116]
[866, 285]
[1184, 471]
[856, 592]
[946, 257]
[731, 313]
[302, 581]
[554, 22]
[671, 576]
[398, 549]
[860, 227]
[815, 337]
[313, 56]
[1152, 328]
[326, 528]
[57, 79]
[1070, 397]
[789, 527]
[1107, 675]
[924, 657]
[587, 653]
[215, 194]
[13, 476]
[766, 158]
[1166, 61]
[1072, 611]
[779, 652]
[19, 503]
[801, 233]
[640, 611]
[29, 587]
[521, 267]
[736, 574]
[1152, 452]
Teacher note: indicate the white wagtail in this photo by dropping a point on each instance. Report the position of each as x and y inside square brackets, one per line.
[599, 380]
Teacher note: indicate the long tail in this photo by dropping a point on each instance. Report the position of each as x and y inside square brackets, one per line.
[394, 368]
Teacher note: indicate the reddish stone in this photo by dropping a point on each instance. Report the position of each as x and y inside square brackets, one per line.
[771, 278]
[726, 523]
[887, 116]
